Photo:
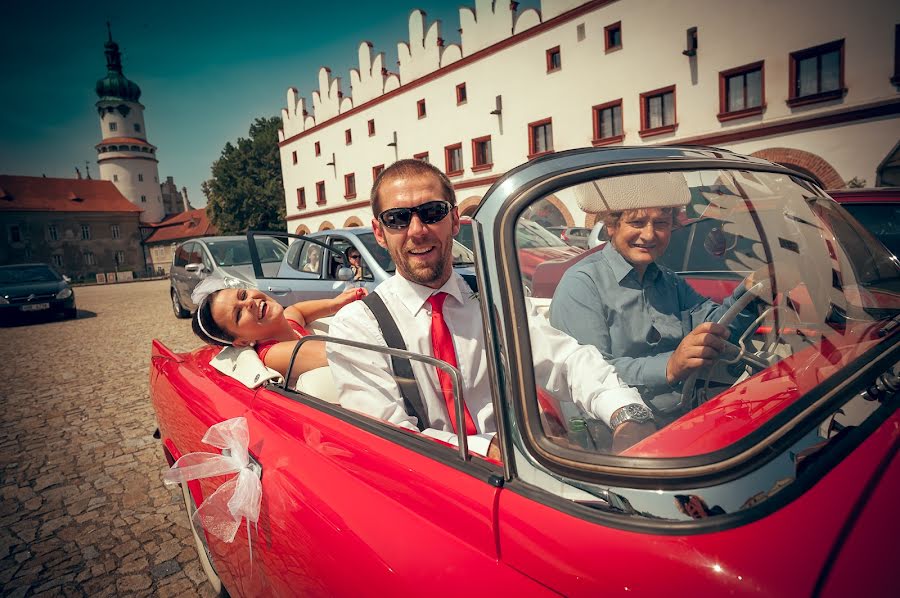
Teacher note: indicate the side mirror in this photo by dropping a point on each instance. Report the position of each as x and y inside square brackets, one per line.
[344, 274]
[66, 278]
[597, 235]
[195, 267]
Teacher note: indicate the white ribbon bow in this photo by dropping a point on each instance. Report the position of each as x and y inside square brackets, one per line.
[221, 513]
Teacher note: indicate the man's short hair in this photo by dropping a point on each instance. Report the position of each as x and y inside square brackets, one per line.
[410, 167]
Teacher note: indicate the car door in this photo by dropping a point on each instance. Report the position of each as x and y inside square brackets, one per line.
[306, 272]
[353, 506]
[187, 279]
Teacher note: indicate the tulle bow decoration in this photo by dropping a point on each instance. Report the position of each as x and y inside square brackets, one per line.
[222, 511]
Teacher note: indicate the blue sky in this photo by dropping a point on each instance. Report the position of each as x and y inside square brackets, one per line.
[205, 69]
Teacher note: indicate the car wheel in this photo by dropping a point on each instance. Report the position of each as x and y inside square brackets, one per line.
[180, 312]
[206, 563]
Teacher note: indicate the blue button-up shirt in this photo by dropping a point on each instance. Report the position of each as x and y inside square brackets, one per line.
[636, 324]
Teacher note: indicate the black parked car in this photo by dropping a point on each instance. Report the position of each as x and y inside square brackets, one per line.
[27, 289]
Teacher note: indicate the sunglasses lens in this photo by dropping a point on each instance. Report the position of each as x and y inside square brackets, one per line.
[396, 217]
[433, 211]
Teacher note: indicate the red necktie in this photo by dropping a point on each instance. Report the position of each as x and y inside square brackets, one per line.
[442, 346]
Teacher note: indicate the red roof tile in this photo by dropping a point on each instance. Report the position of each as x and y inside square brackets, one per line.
[185, 225]
[39, 194]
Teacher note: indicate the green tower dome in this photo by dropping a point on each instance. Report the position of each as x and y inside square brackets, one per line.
[116, 85]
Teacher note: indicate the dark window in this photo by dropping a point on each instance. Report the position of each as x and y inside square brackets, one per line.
[461, 96]
[658, 111]
[317, 148]
[348, 137]
[817, 74]
[579, 32]
[376, 170]
[540, 137]
[143, 198]
[15, 234]
[612, 36]
[115, 178]
[895, 80]
[53, 232]
[554, 59]
[453, 158]
[86, 231]
[320, 193]
[89, 258]
[741, 91]
[114, 231]
[423, 156]
[137, 128]
[140, 177]
[608, 123]
[294, 157]
[882, 220]
[692, 43]
[350, 185]
[113, 126]
[420, 108]
[301, 198]
[120, 258]
[371, 126]
[482, 159]
[57, 260]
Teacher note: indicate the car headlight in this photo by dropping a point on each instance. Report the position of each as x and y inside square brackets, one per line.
[3, 300]
[64, 294]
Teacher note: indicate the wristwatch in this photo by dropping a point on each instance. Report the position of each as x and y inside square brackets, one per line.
[633, 412]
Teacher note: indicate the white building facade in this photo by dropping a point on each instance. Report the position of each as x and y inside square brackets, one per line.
[124, 155]
[812, 84]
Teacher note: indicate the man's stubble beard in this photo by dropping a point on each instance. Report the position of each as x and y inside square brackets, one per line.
[424, 276]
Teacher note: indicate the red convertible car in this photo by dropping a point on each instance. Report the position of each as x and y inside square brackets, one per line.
[783, 480]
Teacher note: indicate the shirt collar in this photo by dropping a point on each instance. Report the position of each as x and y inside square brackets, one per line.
[413, 295]
[622, 267]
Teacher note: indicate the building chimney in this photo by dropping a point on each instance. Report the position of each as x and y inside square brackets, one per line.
[184, 199]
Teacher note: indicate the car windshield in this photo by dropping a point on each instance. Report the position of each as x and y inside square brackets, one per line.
[882, 219]
[801, 289]
[236, 252]
[25, 274]
[461, 254]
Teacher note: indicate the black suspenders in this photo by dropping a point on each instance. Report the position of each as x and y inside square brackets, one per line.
[403, 373]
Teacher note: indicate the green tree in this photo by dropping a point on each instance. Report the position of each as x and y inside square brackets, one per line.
[245, 191]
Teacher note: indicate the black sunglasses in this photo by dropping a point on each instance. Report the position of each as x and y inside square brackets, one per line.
[429, 213]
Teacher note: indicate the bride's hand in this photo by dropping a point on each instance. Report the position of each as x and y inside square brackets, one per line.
[350, 295]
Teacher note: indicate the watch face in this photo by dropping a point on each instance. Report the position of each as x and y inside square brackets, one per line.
[638, 412]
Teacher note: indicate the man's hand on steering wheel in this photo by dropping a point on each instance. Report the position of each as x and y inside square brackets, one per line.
[701, 347]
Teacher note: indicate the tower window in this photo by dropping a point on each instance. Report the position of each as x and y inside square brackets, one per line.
[320, 193]
[348, 137]
[115, 178]
[540, 137]
[113, 126]
[453, 159]
[371, 125]
[482, 159]
[137, 128]
[318, 149]
[143, 199]
[461, 95]
[350, 186]
[140, 177]
[420, 108]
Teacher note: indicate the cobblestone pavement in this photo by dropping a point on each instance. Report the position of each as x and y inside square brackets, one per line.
[83, 510]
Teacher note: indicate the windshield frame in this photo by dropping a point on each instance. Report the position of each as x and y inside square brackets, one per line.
[510, 346]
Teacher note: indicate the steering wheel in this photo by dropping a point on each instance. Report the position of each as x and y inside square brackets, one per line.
[730, 352]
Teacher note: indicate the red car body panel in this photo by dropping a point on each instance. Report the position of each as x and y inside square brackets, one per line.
[579, 558]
